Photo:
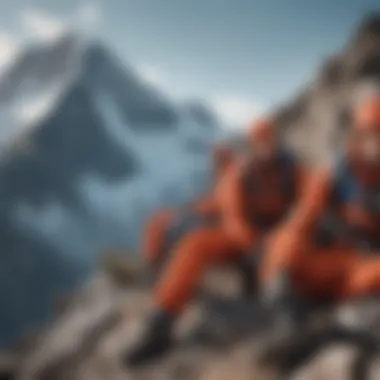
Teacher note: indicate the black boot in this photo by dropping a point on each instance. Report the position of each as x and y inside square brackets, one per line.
[289, 312]
[247, 267]
[155, 342]
[7, 375]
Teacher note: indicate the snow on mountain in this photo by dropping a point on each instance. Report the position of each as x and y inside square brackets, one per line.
[89, 150]
[162, 137]
[32, 110]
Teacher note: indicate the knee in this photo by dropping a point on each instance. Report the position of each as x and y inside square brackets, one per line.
[203, 243]
[366, 272]
[191, 257]
[198, 240]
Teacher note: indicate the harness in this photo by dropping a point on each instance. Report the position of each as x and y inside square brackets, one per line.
[347, 190]
[286, 167]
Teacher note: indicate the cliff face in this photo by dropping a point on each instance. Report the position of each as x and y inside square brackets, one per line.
[314, 122]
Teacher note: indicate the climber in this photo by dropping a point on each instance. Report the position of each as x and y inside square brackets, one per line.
[328, 249]
[254, 195]
[167, 226]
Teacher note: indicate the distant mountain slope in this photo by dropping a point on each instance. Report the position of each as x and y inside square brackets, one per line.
[88, 150]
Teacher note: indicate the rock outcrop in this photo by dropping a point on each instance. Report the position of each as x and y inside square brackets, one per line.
[315, 121]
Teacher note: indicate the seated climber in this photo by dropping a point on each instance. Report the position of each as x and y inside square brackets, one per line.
[254, 195]
[167, 226]
[329, 249]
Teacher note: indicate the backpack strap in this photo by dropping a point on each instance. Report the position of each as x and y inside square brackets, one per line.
[344, 185]
[288, 164]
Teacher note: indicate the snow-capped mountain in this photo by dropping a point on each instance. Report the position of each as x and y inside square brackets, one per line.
[88, 150]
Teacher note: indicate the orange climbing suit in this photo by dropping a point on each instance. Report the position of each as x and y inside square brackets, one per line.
[252, 200]
[158, 228]
[345, 268]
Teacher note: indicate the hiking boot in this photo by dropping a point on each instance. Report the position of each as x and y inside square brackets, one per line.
[156, 341]
[289, 312]
[275, 348]
[7, 375]
[247, 267]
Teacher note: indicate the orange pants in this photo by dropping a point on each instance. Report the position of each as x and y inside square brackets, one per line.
[331, 273]
[196, 252]
[155, 234]
[167, 228]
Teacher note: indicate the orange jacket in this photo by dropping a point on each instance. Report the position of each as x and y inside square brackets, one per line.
[235, 200]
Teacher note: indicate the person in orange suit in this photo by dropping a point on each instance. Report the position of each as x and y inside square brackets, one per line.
[167, 227]
[329, 249]
[254, 195]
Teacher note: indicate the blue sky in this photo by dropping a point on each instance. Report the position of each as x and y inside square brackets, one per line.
[240, 55]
